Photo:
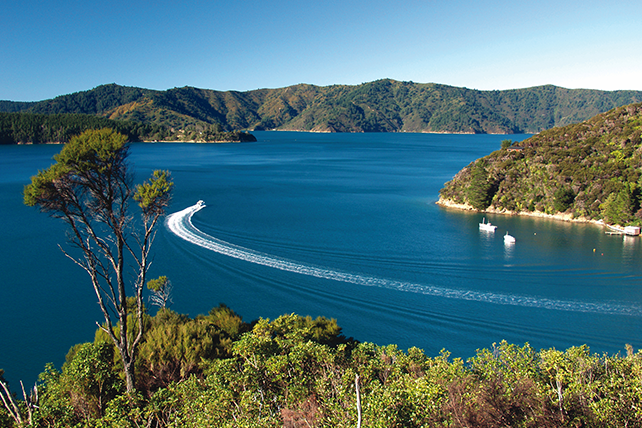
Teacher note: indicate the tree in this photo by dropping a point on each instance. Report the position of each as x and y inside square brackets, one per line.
[563, 199]
[161, 289]
[619, 208]
[81, 391]
[21, 413]
[480, 191]
[91, 188]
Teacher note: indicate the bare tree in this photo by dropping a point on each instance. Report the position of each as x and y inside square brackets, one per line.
[13, 408]
[91, 188]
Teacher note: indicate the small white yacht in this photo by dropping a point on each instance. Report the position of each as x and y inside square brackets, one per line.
[509, 239]
[487, 226]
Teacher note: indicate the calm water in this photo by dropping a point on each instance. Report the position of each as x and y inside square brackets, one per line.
[340, 225]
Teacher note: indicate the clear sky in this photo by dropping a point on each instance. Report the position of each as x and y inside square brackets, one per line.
[55, 47]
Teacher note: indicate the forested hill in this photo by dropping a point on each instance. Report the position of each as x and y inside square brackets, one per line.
[35, 128]
[590, 169]
[381, 106]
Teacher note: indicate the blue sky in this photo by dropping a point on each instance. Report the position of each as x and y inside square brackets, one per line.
[55, 47]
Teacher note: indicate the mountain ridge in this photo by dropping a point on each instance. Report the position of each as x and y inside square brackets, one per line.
[384, 105]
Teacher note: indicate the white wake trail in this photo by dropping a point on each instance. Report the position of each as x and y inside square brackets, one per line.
[180, 223]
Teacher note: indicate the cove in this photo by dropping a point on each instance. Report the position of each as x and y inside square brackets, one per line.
[339, 225]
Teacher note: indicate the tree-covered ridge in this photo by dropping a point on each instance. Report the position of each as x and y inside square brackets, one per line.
[590, 169]
[217, 370]
[35, 128]
[60, 128]
[380, 106]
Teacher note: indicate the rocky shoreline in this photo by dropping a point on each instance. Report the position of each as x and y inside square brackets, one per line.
[562, 217]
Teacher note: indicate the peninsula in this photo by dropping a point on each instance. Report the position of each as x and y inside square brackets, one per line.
[589, 171]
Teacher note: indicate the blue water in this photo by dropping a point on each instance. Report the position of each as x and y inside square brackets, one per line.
[340, 225]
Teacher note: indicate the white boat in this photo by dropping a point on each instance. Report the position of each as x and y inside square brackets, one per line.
[487, 226]
[509, 239]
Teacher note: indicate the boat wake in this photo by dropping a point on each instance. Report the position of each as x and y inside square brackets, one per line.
[180, 224]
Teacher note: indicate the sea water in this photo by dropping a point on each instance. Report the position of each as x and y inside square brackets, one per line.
[339, 225]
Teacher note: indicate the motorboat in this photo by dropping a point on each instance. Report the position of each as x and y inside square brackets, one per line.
[509, 239]
[487, 226]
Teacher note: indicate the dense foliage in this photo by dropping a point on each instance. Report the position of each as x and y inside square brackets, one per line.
[381, 106]
[35, 128]
[217, 371]
[590, 169]
[60, 128]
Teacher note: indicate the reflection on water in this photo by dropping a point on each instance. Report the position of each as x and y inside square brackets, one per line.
[486, 239]
[630, 249]
[509, 249]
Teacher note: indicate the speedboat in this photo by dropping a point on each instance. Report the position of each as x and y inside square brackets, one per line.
[509, 239]
[487, 226]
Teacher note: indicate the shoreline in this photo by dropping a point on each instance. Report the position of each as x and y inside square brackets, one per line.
[318, 131]
[192, 141]
[144, 141]
[560, 217]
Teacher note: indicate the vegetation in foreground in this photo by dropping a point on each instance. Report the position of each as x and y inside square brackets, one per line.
[591, 169]
[215, 370]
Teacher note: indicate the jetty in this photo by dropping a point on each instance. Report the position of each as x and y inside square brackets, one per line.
[627, 230]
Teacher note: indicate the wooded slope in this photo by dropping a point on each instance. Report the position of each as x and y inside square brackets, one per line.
[36, 128]
[381, 106]
[217, 371]
[590, 169]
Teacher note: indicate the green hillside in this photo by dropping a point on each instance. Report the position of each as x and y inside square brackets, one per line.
[37, 128]
[590, 169]
[216, 370]
[381, 106]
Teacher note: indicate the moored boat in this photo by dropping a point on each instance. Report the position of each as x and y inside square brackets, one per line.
[509, 239]
[487, 226]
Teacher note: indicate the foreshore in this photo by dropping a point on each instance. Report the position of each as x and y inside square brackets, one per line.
[562, 217]
[192, 141]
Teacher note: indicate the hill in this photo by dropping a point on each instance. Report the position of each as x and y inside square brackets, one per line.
[37, 128]
[587, 170]
[380, 106]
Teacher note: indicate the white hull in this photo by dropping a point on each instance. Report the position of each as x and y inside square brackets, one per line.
[508, 239]
[487, 226]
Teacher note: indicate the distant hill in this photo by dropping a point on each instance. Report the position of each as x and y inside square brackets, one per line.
[381, 106]
[38, 128]
[592, 169]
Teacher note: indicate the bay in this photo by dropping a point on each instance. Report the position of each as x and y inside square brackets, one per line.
[339, 225]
